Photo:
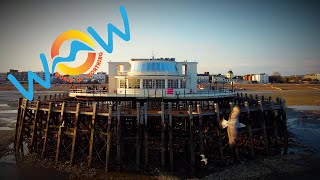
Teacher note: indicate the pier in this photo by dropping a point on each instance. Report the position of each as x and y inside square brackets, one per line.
[119, 133]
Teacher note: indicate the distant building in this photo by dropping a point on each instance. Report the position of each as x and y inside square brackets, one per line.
[40, 74]
[218, 78]
[312, 77]
[229, 74]
[247, 77]
[203, 78]
[261, 78]
[3, 77]
[100, 77]
[20, 76]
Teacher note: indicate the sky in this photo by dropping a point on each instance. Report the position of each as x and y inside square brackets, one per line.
[241, 35]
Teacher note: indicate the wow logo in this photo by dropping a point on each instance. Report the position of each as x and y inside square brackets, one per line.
[75, 47]
[80, 42]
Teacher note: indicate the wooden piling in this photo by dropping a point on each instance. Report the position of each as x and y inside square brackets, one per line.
[18, 122]
[170, 135]
[46, 130]
[21, 126]
[74, 137]
[94, 112]
[191, 140]
[34, 127]
[146, 154]
[118, 137]
[200, 129]
[249, 130]
[108, 138]
[284, 121]
[263, 126]
[162, 136]
[138, 147]
[217, 111]
[60, 130]
[274, 123]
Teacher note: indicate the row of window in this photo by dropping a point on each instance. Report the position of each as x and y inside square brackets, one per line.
[152, 83]
[153, 67]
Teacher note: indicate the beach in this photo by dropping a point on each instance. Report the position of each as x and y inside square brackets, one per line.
[303, 157]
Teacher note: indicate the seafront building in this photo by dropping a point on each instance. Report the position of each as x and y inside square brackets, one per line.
[152, 76]
[155, 77]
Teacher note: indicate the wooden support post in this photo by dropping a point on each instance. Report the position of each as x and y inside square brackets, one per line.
[74, 138]
[146, 153]
[163, 149]
[34, 127]
[108, 138]
[18, 122]
[274, 123]
[263, 126]
[170, 135]
[191, 138]
[94, 113]
[60, 130]
[200, 129]
[46, 131]
[284, 121]
[249, 128]
[138, 147]
[217, 111]
[118, 157]
[21, 126]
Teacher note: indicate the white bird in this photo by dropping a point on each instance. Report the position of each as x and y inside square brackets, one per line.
[62, 124]
[233, 124]
[204, 159]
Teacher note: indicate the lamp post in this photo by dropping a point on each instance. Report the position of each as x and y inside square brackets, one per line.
[184, 86]
[232, 86]
[223, 85]
[125, 86]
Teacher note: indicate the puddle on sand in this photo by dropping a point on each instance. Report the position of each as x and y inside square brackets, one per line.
[6, 119]
[6, 128]
[10, 159]
[305, 108]
[8, 111]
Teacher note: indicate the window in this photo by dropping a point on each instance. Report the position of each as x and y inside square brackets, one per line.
[184, 69]
[122, 83]
[183, 83]
[120, 68]
[134, 83]
[169, 67]
[148, 84]
[160, 83]
[173, 83]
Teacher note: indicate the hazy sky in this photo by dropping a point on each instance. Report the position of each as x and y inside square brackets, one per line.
[245, 36]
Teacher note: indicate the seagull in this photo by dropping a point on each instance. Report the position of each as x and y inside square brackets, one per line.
[204, 159]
